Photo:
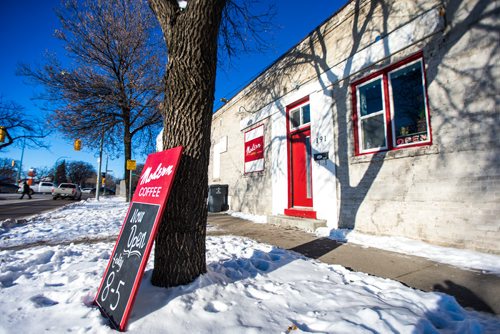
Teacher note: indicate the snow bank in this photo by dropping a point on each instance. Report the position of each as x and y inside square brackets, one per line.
[249, 288]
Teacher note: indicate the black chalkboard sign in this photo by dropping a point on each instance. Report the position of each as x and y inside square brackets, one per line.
[125, 264]
[123, 275]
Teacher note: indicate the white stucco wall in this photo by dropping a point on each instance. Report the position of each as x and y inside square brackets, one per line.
[325, 201]
[323, 173]
[322, 140]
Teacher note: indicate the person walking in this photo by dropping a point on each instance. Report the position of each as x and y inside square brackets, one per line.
[26, 190]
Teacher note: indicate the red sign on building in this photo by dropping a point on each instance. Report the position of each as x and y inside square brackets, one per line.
[125, 269]
[254, 150]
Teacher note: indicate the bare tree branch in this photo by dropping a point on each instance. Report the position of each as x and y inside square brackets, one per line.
[115, 81]
[20, 128]
[243, 27]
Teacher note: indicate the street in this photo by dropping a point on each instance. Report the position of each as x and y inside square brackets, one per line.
[13, 207]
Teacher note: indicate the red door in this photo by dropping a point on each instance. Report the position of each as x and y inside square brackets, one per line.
[300, 170]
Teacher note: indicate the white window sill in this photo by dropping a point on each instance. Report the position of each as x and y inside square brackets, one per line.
[395, 154]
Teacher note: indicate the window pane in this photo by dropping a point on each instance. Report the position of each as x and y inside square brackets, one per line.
[295, 118]
[306, 115]
[370, 98]
[373, 132]
[410, 116]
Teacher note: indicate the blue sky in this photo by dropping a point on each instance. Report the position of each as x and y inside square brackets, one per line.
[26, 34]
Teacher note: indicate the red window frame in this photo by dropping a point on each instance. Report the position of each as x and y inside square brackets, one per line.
[388, 107]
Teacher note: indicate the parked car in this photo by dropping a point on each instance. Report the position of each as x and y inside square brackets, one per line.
[41, 187]
[87, 190]
[8, 187]
[67, 190]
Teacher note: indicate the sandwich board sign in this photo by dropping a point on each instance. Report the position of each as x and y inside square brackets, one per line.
[123, 275]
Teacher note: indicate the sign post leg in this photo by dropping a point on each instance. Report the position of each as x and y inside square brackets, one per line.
[130, 186]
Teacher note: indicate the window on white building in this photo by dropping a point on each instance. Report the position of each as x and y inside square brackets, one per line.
[391, 108]
[300, 117]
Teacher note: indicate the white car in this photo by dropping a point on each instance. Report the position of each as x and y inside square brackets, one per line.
[42, 187]
[67, 190]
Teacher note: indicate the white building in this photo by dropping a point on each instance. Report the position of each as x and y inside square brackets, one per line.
[384, 119]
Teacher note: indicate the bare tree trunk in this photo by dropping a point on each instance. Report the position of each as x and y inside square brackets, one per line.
[191, 37]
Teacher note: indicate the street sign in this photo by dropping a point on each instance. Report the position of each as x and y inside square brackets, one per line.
[125, 269]
[131, 165]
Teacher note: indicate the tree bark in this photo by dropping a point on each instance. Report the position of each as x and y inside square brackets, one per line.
[191, 37]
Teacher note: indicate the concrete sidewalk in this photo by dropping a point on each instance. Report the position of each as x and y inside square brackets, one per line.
[470, 288]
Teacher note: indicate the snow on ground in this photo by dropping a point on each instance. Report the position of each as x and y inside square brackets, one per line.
[488, 263]
[248, 216]
[72, 222]
[250, 287]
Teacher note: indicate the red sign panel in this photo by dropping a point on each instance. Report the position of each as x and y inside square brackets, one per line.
[254, 149]
[125, 269]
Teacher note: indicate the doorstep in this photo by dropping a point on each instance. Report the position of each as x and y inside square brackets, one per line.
[305, 224]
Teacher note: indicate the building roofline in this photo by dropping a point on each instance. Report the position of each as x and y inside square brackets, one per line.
[259, 74]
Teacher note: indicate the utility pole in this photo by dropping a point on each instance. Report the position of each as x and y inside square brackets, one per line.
[98, 178]
[105, 174]
[21, 162]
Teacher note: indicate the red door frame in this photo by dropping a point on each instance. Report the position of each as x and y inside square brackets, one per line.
[291, 211]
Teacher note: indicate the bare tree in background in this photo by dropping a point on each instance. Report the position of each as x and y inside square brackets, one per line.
[114, 87]
[45, 173]
[79, 171]
[8, 172]
[61, 173]
[192, 34]
[19, 128]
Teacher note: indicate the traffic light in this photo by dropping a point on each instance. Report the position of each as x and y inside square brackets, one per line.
[103, 176]
[13, 163]
[2, 134]
[77, 145]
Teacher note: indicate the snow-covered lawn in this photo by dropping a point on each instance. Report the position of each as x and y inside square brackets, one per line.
[249, 287]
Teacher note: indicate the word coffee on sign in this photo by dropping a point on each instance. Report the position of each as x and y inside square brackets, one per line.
[125, 269]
